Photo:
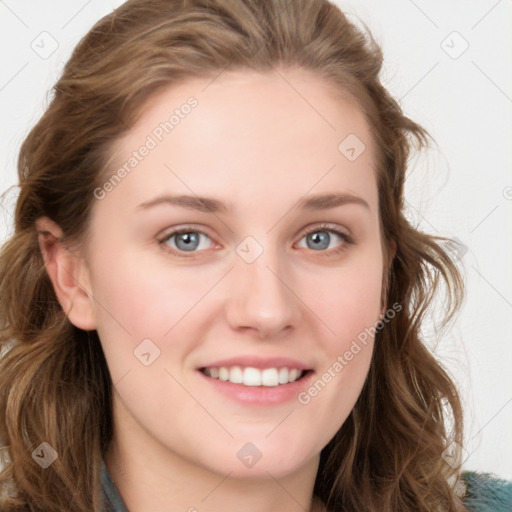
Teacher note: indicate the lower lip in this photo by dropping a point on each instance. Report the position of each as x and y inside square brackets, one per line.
[262, 395]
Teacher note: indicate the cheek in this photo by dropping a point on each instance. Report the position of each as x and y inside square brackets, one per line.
[137, 300]
[349, 300]
[351, 315]
[146, 299]
[349, 306]
[353, 318]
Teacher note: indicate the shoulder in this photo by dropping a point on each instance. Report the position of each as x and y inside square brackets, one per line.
[486, 492]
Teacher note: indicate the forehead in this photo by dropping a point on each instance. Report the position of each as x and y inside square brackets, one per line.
[246, 131]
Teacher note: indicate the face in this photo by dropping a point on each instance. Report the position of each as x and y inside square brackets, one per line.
[232, 325]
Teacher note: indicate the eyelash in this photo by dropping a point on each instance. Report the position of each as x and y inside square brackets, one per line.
[347, 239]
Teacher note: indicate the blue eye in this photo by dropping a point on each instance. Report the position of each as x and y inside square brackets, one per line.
[320, 237]
[186, 240]
[190, 240]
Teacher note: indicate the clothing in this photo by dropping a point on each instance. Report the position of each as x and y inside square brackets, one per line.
[484, 493]
[112, 501]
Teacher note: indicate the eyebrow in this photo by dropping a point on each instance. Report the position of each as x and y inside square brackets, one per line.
[210, 205]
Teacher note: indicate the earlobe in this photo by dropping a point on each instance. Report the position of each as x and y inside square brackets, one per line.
[68, 275]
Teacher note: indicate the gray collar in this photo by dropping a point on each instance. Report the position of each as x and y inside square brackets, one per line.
[112, 501]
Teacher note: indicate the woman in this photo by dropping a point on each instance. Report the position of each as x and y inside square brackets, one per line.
[212, 299]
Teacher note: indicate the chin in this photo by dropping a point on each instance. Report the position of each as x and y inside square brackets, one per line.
[262, 459]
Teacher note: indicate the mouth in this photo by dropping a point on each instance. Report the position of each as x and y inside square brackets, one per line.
[252, 380]
[255, 377]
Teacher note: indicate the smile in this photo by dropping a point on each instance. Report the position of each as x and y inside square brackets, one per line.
[250, 376]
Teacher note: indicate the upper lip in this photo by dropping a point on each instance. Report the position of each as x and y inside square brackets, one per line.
[258, 362]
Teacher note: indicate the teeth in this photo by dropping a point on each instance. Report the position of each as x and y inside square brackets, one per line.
[223, 373]
[293, 375]
[269, 377]
[236, 375]
[249, 376]
[252, 377]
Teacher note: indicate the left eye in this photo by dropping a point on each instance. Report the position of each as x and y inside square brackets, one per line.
[320, 238]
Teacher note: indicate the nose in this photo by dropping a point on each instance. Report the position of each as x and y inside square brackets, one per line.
[262, 297]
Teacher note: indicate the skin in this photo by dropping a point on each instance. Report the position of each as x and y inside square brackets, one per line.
[256, 143]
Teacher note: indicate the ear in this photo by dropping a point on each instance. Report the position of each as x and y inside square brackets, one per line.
[68, 274]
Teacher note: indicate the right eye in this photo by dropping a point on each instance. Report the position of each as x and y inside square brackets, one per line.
[185, 240]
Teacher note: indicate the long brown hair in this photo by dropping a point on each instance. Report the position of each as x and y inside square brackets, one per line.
[55, 386]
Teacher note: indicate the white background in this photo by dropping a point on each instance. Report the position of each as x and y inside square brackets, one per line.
[462, 188]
